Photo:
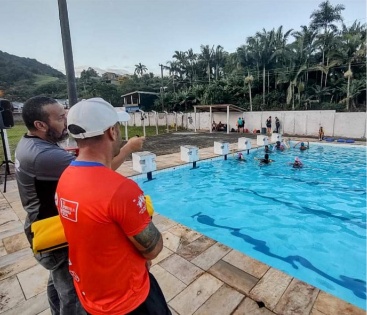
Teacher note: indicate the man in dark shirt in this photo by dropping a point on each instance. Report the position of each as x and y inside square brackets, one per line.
[39, 162]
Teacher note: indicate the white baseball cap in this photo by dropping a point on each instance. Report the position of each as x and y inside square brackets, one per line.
[91, 118]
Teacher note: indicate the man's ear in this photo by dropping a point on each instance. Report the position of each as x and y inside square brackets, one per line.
[40, 125]
[112, 133]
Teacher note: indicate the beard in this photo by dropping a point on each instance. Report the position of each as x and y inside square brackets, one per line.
[54, 136]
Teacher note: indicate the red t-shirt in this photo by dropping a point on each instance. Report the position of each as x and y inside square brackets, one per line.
[99, 208]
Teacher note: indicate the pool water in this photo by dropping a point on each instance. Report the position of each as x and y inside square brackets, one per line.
[309, 222]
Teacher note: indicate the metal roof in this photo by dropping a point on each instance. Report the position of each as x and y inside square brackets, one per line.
[140, 92]
[219, 108]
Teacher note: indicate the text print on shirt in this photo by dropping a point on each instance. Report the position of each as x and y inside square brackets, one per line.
[69, 209]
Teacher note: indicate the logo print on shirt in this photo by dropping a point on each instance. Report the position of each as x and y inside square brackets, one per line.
[141, 204]
[69, 209]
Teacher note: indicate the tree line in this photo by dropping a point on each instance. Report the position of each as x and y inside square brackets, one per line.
[319, 66]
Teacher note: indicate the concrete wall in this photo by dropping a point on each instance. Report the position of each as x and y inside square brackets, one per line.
[301, 123]
[306, 123]
[349, 125]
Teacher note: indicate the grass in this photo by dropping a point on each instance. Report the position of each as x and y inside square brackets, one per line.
[44, 79]
[14, 134]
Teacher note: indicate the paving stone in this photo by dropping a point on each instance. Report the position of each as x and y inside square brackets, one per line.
[2, 250]
[186, 234]
[45, 312]
[250, 307]
[270, 288]
[35, 305]
[10, 225]
[33, 280]
[191, 250]
[18, 210]
[169, 284]
[233, 276]
[15, 242]
[17, 228]
[181, 268]
[330, 305]
[10, 294]
[7, 215]
[11, 195]
[246, 263]
[223, 302]
[20, 264]
[162, 255]
[195, 295]
[162, 223]
[297, 299]
[13, 257]
[170, 241]
[209, 257]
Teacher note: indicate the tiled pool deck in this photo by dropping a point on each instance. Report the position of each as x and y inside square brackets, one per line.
[197, 274]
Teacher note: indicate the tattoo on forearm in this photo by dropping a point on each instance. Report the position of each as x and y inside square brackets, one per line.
[148, 238]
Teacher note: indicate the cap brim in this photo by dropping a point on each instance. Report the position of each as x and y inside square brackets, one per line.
[123, 116]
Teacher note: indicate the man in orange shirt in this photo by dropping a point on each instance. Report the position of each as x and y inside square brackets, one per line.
[110, 233]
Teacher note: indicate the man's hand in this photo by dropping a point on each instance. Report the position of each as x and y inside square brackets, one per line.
[134, 144]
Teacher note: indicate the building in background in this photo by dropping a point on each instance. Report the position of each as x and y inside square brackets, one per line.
[139, 100]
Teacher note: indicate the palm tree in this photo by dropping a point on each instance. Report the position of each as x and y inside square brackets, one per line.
[248, 81]
[140, 69]
[207, 57]
[305, 46]
[262, 48]
[323, 19]
[218, 56]
[191, 58]
[353, 49]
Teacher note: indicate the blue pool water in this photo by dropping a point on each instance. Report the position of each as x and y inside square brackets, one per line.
[309, 222]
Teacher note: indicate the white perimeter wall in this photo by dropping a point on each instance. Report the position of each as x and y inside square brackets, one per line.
[306, 123]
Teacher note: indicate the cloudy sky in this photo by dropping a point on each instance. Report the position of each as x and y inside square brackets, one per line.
[116, 35]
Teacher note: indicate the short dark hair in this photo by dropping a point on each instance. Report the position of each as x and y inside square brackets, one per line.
[33, 110]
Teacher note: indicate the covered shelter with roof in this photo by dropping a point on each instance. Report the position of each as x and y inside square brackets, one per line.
[222, 108]
[139, 100]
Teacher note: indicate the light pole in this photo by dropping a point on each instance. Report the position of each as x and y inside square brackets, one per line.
[162, 88]
[68, 52]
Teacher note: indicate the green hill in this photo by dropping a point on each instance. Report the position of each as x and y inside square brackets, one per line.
[21, 77]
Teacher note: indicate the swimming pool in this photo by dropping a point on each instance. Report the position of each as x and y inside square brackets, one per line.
[309, 222]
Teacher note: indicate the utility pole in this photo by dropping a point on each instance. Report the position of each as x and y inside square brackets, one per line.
[68, 52]
[162, 87]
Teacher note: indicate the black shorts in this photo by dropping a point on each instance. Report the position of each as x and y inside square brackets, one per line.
[155, 303]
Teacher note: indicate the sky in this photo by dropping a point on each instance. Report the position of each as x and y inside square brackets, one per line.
[115, 35]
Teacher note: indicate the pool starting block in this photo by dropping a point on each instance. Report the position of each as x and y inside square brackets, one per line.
[276, 137]
[244, 143]
[262, 140]
[221, 148]
[189, 153]
[144, 162]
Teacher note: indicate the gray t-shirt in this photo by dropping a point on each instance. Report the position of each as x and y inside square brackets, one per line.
[38, 167]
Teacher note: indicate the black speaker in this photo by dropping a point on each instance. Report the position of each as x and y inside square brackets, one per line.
[6, 117]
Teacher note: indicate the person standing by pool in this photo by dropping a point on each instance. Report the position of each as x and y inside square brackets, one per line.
[277, 124]
[268, 125]
[321, 133]
[111, 236]
[39, 163]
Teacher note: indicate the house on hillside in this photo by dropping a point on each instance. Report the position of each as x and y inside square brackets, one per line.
[139, 100]
[113, 78]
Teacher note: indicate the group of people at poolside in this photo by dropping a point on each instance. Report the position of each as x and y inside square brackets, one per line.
[281, 146]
